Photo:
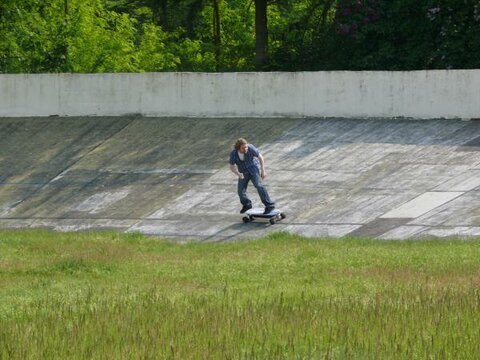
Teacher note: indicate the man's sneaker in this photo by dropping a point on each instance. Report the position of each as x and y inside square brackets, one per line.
[245, 208]
[269, 209]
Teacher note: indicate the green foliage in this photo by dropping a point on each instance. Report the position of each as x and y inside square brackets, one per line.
[405, 35]
[155, 51]
[298, 32]
[100, 40]
[33, 36]
[167, 35]
[237, 35]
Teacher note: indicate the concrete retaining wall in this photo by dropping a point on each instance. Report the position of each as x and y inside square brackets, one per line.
[416, 94]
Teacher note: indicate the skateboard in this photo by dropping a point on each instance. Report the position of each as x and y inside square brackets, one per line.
[273, 216]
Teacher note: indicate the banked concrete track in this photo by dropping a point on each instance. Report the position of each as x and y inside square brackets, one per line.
[386, 178]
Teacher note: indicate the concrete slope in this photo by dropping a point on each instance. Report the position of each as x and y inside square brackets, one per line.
[386, 178]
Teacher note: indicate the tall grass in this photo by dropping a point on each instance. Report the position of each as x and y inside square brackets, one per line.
[108, 295]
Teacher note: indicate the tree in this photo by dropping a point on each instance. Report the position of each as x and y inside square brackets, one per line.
[33, 36]
[217, 33]
[237, 35]
[261, 34]
[298, 32]
[100, 40]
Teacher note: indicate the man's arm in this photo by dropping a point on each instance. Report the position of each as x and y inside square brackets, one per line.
[234, 169]
[263, 174]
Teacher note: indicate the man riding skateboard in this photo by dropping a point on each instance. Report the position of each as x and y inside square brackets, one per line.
[248, 164]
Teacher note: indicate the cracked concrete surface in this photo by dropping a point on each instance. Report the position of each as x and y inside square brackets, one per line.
[387, 178]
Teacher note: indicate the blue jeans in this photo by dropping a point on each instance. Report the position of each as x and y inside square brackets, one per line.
[257, 182]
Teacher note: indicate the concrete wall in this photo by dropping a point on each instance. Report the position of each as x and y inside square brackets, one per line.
[417, 94]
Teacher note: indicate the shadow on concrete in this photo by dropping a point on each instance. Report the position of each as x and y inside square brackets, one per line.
[169, 176]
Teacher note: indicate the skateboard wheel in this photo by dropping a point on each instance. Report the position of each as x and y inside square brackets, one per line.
[283, 216]
[272, 221]
[246, 219]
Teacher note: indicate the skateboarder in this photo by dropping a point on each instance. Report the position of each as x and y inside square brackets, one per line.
[248, 164]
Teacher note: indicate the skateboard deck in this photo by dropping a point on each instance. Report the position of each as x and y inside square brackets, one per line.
[273, 216]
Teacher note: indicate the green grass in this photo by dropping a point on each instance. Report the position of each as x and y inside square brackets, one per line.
[126, 296]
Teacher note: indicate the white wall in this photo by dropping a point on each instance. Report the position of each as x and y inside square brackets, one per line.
[417, 94]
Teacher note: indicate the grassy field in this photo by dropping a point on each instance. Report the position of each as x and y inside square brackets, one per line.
[126, 296]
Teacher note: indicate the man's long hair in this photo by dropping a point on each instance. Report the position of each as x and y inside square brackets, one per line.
[239, 143]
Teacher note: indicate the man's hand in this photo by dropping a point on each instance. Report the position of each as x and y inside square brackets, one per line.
[234, 169]
[263, 173]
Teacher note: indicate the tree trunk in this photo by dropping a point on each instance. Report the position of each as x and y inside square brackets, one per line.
[193, 13]
[160, 13]
[65, 42]
[216, 33]
[261, 34]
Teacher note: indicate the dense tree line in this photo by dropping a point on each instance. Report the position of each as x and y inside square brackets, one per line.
[237, 35]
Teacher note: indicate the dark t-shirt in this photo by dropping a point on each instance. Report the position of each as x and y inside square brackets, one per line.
[250, 163]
